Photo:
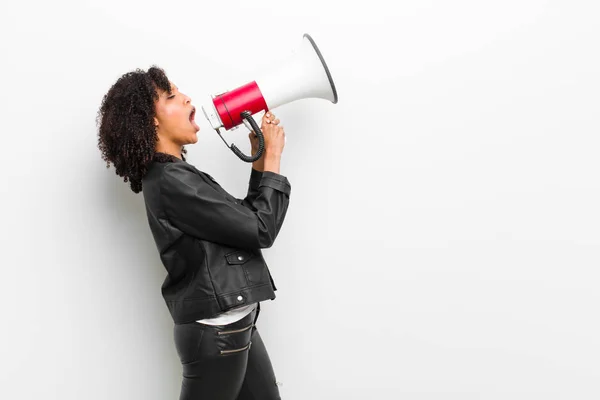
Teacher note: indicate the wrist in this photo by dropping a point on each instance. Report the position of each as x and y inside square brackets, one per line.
[272, 162]
[258, 165]
[273, 155]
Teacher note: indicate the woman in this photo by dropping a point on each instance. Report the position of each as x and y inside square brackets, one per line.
[209, 242]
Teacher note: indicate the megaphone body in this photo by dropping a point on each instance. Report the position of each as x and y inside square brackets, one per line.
[304, 75]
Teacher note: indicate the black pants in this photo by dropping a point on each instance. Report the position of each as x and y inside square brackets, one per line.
[225, 362]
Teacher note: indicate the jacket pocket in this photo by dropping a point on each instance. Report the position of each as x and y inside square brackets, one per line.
[253, 264]
[238, 257]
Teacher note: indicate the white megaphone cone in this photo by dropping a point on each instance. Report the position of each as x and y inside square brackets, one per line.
[304, 75]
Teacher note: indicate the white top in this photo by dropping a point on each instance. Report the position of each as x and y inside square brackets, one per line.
[229, 317]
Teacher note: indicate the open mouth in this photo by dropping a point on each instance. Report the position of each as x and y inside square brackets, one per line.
[192, 121]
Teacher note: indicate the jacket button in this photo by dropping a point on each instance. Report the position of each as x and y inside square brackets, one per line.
[240, 298]
[240, 258]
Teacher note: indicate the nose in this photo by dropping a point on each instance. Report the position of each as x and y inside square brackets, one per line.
[187, 98]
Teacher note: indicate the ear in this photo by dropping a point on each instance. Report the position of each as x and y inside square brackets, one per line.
[155, 122]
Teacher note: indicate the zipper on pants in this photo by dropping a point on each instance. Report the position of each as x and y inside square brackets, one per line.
[235, 331]
[236, 350]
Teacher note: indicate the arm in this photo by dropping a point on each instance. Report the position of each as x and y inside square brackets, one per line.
[196, 208]
[270, 165]
[253, 185]
[256, 172]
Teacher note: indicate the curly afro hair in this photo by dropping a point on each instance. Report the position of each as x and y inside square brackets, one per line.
[127, 136]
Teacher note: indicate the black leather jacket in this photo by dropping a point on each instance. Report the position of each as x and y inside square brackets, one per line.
[210, 242]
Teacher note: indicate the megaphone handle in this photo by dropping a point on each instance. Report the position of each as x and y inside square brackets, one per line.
[248, 119]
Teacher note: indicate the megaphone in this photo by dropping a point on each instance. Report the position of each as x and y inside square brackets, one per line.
[304, 75]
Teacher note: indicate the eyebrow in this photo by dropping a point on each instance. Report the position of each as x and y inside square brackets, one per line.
[166, 94]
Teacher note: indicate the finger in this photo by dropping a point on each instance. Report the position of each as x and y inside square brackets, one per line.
[275, 121]
[270, 116]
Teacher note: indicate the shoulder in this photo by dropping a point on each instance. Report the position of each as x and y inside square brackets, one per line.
[177, 167]
[182, 173]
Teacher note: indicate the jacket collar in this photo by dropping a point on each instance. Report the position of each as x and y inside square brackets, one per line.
[166, 158]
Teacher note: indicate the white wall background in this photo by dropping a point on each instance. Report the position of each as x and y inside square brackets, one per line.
[442, 240]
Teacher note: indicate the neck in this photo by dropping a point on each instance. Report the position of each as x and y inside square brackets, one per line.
[170, 148]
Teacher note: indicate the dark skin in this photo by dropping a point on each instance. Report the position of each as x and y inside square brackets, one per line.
[267, 119]
[143, 117]
[175, 129]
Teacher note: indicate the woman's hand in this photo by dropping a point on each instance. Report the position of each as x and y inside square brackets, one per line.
[274, 136]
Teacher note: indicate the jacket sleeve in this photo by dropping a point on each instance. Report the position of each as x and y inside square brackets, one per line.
[198, 209]
[253, 192]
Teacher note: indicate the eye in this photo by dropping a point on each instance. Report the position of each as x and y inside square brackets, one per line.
[170, 97]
